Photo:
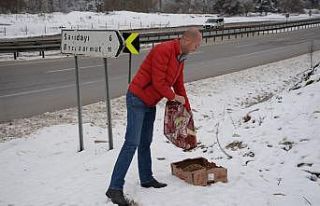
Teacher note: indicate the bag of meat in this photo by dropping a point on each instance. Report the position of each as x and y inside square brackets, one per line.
[179, 126]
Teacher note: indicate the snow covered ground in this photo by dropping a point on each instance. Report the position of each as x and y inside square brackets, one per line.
[271, 132]
[22, 25]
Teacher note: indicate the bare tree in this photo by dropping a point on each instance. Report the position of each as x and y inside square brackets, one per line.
[44, 6]
[110, 5]
[12, 6]
[312, 4]
[232, 7]
[247, 6]
[291, 5]
[6, 6]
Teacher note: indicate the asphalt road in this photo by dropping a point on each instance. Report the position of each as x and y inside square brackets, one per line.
[33, 87]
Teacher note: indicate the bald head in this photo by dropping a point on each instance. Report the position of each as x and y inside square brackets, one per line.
[190, 40]
[192, 33]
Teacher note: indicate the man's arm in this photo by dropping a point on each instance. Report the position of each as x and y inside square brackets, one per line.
[159, 71]
[180, 90]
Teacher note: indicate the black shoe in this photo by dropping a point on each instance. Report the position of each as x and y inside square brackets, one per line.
[117, 197]
[154, 183]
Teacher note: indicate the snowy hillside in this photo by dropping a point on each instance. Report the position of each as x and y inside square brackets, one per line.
[22, 25]
[270, 130]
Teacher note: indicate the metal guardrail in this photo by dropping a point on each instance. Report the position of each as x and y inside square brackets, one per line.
[261, 28]
[152, 36]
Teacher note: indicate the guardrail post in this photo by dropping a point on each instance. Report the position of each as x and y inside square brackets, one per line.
[214, 38]
[206, 39]
[14, 55]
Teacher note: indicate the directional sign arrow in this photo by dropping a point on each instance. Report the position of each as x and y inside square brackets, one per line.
[95, 43]
[132, 43]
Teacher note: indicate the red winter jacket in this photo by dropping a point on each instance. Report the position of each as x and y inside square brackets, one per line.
[159, 72]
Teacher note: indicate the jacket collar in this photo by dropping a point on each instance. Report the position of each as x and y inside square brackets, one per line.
[178, 53]
[177, 46]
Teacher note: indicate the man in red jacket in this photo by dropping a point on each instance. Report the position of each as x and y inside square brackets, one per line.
[161, 71]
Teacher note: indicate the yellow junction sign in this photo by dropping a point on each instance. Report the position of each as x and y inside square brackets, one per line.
[132, 43]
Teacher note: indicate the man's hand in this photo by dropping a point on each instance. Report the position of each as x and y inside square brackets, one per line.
[180, 99]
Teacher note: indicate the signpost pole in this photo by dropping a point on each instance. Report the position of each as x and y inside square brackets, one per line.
[92, 43]
[108, 105]
[79, 104]
[132, 46]
[130, 60]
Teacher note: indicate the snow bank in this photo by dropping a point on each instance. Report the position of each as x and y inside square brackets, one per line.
[270, 131]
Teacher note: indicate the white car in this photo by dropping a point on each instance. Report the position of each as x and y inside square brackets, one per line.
[214, 23]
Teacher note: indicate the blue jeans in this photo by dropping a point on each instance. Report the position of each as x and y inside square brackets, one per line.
[140, 120]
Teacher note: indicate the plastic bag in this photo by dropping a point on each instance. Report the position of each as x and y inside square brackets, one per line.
[179, 126]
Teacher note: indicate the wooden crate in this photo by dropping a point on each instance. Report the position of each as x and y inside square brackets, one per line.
[199, 171]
